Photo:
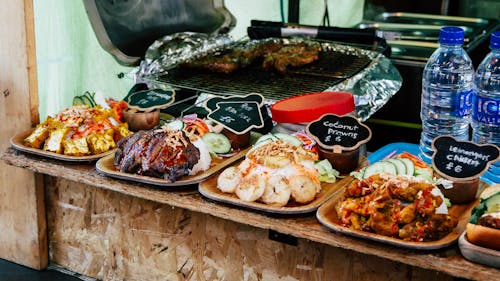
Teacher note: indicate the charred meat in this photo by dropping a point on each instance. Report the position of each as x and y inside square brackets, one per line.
[160, 153]
[290, 56]
[277, 56]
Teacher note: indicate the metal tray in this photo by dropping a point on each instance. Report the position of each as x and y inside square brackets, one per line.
[428, 19]
[414, 36]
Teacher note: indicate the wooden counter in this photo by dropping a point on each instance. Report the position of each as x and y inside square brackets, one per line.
[448, 261]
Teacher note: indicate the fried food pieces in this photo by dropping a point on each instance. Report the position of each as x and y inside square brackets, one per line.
[274, 56]
[78, 131]
[395, 206]
[275, 172]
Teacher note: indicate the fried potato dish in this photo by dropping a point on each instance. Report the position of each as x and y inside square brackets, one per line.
[78, 131]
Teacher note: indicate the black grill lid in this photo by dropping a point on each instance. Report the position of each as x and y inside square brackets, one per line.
[126, 28]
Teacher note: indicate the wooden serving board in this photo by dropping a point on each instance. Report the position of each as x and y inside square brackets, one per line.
[105, 166]
[327, 216]
[17, 141]
[208, 188]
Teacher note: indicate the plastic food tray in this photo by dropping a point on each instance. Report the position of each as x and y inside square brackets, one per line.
[398, 147]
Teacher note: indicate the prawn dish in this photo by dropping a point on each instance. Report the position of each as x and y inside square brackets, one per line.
[397, 206]
[274, 172]
[78, 131]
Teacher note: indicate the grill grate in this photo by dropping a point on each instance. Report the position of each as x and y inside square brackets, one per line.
[331, 69]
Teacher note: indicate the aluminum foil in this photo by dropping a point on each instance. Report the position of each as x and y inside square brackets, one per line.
[167, 52]
[372, 87]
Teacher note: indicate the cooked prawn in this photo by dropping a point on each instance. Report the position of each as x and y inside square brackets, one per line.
[277, 191]
[251, 187]
[303, 188]
[229, 179]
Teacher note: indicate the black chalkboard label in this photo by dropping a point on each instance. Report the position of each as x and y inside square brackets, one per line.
[462, 160]
[211, 104]
[238, 117]
[148, 100]
[339, 132]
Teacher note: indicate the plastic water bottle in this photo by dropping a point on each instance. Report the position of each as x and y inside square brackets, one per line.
[447, 84]
[486, 100]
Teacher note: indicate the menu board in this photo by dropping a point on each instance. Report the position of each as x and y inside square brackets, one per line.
[211, 104]
[462, 159]
[145, 99]
[339, 132]
[237, 117]
[238, 114]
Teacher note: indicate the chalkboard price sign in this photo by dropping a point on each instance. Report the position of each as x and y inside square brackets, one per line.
[211, 104]
[462, 160]
[150, 99]
[339, 132]
[238, 117]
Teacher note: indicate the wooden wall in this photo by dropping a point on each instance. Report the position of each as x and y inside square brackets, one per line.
[112, 236]
[22, 214]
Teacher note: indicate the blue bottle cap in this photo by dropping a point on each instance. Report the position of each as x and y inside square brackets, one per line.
[451, 35]
[495, 40]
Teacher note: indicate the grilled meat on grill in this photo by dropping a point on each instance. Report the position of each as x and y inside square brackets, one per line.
[291, 56]
[273, 55]
[160, 153]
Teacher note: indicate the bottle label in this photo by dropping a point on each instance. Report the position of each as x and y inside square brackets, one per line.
[463, 104]
[486, 110]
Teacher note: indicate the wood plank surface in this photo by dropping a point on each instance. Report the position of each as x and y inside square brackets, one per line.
[22, 212]
[113, 236]
[448, 260]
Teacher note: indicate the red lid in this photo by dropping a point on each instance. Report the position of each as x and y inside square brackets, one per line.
[309, 107]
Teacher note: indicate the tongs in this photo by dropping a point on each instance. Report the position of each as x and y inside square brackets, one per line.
[367, 37]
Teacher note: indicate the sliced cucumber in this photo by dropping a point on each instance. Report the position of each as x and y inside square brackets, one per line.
[422, 173]
[89, 98]
[175, 125]
[380, 167]
[78, 101]
[400, 165]
[358, 174]
[266, 137]
[410, 167]
[85, 99]
[217, 142]
[289, 139]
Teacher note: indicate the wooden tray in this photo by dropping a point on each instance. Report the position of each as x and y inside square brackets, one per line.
[209, 189]
[105, 166]
[327, 216]
[17, 142]
[477, 253]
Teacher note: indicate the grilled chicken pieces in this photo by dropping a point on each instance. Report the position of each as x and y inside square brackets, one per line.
[160, 153]
[394, 206]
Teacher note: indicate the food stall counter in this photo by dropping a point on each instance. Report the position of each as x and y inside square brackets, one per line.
[286, 229]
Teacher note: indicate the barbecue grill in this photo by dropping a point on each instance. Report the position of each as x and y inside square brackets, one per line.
[348, 66]
[330, 69]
